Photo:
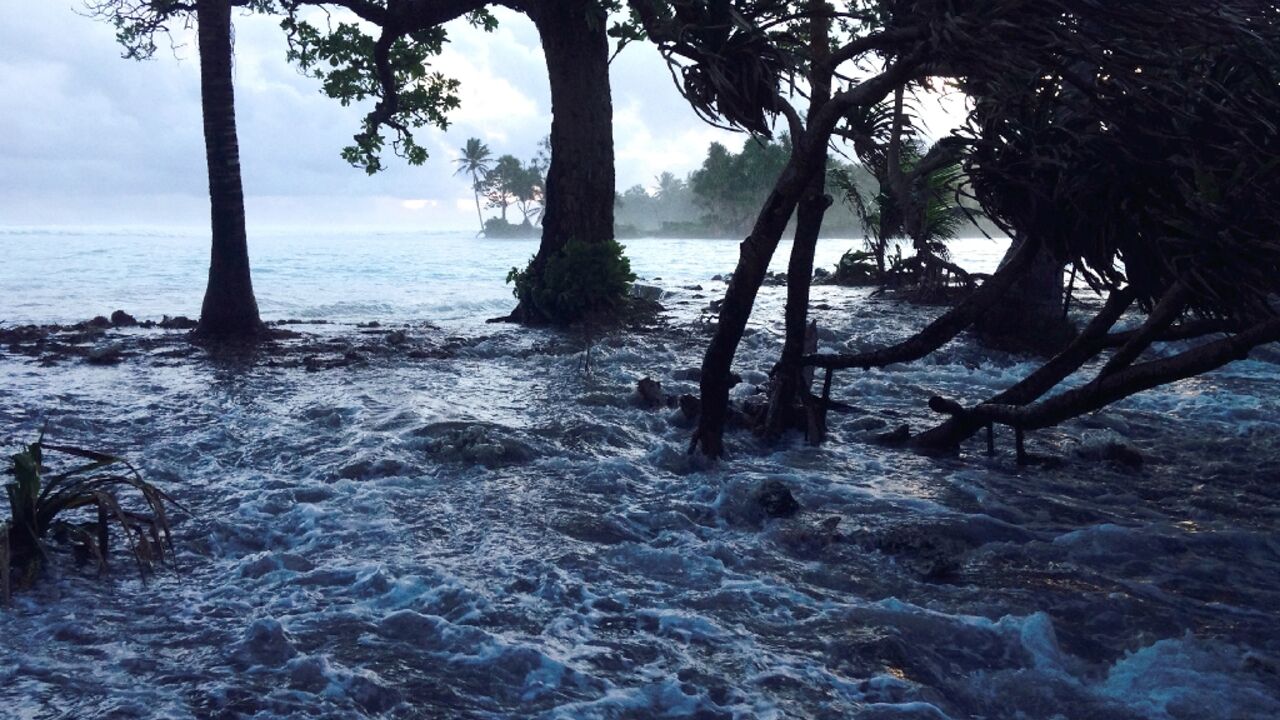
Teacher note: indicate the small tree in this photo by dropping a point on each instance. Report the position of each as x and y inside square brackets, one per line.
[501, 186]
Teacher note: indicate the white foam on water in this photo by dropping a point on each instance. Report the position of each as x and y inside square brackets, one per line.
[500, 533]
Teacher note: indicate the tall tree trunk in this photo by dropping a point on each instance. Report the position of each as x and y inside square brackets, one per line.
[229, 308]
[789, 385]
[1030, 315]
[580, 180]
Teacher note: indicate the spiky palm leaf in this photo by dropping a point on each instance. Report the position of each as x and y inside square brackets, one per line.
[42, 503]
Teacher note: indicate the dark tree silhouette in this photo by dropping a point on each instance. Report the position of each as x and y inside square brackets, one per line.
[1171, 100]
[229, 308]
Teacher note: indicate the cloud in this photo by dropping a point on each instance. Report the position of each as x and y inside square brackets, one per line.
[87, 137]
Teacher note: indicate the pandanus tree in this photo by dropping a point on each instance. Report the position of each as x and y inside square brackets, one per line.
[1173, 98]
[230, 309]
[474, 163]
[736, 62]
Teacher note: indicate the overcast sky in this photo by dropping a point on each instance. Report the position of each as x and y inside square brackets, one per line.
[87, 138]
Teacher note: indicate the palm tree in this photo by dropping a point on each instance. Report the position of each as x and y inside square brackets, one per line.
[475, 163]
[229, 308]
[668, 186]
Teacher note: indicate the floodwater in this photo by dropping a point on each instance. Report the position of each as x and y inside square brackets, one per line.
[501, 531]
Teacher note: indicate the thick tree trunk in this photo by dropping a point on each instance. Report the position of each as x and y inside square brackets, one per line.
[1030, 316]
[229, 308]
[580, 181]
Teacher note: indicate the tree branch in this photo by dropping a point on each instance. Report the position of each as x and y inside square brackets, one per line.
[941, 330]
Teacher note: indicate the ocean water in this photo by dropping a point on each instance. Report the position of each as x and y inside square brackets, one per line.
[499, 530]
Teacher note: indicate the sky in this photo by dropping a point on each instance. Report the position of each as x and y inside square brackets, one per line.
[88, 138]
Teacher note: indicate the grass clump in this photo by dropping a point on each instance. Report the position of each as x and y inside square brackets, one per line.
[78, 507]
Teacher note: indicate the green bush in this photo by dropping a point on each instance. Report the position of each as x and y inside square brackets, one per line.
[580, 281]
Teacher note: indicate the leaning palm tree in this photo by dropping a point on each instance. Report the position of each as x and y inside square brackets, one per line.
[475, 163]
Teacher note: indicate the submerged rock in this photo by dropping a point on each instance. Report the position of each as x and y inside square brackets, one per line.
[649, 392]
[264, 643]
[181, 322]
[105, 354]
[690, 406]
[484, 444]
[1109, 446]
[775, 498]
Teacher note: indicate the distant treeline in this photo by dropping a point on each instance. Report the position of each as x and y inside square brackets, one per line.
[723, 196]
[719, 199]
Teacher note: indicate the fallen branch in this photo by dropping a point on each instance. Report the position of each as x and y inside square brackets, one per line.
[942, 330]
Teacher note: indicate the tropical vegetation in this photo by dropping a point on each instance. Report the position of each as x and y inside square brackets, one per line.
[78, 507]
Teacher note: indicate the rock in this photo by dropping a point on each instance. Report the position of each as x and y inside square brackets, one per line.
[106, 354]
[264, 643]
[181, 322]
[897, 436]
[689, 374]
[1122, 455]
[370, 325]
[1109, 446]
[690, 406]
[651, 293]
[717, 278]
[650, 392]
[397, 337]
[99, 322]
[693, 287]
[776, 500]
[121, 318]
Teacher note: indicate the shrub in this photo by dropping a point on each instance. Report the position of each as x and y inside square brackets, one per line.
[43, 505]
[580, 281]
[856, 267]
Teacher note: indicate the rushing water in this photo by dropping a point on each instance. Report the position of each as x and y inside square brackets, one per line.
[501, 533]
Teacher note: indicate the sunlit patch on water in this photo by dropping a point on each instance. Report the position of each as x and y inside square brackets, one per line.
[497, 533]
